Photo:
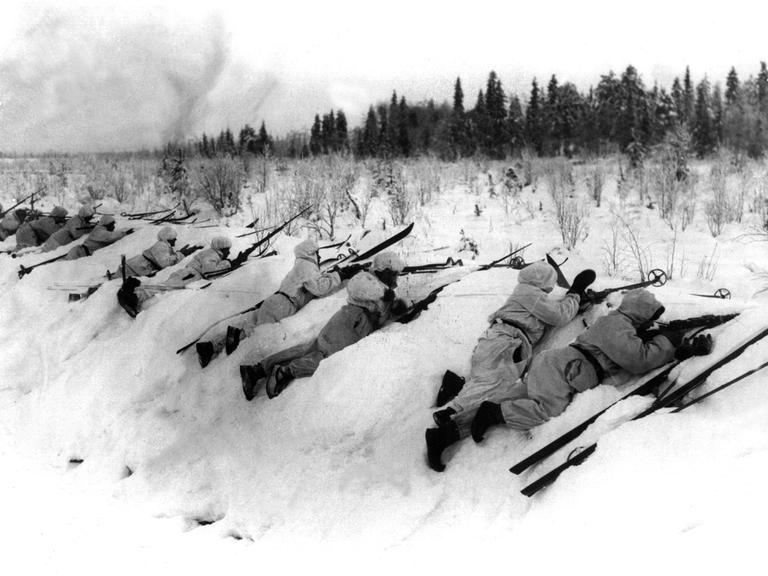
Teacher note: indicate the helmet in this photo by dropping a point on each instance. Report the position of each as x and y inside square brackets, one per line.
[58, 212]
[106, 220]
[85, 212]
[387, 261]
[166, 233]
[221, 243]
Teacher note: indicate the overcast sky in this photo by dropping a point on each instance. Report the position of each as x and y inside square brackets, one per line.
[116, 75]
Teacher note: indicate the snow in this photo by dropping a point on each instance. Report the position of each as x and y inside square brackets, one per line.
[179, 473]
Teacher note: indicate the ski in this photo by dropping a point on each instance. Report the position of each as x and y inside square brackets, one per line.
[721, 387]
[578, 455]
[394, 239]
[562, 281]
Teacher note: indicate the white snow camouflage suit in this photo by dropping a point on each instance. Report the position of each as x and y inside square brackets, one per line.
[613, 344]
[160, 255]
[505, 349]
[204, 262]
[364, 313]
[302, 284]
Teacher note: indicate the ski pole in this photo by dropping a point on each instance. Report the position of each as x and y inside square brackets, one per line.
[722, 293]
[19, 203]
[27, 269]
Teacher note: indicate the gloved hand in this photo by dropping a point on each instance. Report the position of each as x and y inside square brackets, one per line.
[399, 307]
[239, 260]
[187, 250]
[347, 272]
[389, 295]
[581, 283]
[701, 345]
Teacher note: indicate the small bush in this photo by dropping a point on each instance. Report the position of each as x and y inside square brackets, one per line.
[219, 180]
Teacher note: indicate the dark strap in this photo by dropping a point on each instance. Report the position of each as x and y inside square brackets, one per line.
[518, 326]
[85, 249]
[592, 360]
[284, 295]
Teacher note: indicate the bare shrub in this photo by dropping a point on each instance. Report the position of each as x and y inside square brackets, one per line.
[596, 182]
[638, 252]
[613, 257]
[219, 180]
[571, 215]
[425, 174]
[708, 266]
[401, 201]
[717, 209]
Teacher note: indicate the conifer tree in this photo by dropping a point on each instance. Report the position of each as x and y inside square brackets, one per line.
[569, 111]
[552, 122]
[515, 123]
[369, 140]
[718, 115]
[479, 120]
[762, 88]
[732, 89]
[688, 97]
[316, 137]
[703, 134]
[460, 142]
[677, 100]
[342, 138]
[496, 112]
[403, 135]
[608, 105]
[534, 121]
[264, 140]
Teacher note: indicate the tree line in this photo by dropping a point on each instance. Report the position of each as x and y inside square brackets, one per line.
[619, 113]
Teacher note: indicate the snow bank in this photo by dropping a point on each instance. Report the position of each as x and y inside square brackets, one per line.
[335, 465]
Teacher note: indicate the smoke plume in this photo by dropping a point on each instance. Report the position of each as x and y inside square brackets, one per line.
[111, 80]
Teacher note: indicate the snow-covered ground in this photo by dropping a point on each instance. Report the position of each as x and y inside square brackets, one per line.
[121, 456]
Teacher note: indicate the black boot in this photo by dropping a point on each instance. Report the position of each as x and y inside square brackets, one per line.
[279, 379]
[442, 417]
[438, 439]
[489, 414]
[204, 353]
[251, 377]
[127, 298]
[451, 386]
[233, 339]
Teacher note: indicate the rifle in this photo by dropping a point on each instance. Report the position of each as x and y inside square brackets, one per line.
[656, 278]
[416, 308]
[428, 268]
[142, 215]
[255, 232]
[19, 203]
[248, 251]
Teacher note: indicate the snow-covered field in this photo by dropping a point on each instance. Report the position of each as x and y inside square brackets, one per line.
[121, 456]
